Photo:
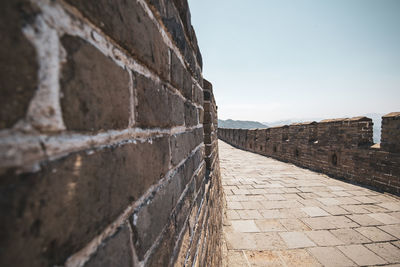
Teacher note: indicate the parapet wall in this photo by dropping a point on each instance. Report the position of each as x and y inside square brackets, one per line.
[340, 147]
[104, 158]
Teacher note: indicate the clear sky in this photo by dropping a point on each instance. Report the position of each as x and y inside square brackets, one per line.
[278, 59]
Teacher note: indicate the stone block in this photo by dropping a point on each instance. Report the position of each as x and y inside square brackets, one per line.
[182, 144]
[157, 106]
[55, 212]
[115, 251]
[19, 66]
[190, 115]
[95, 90]
[128, 24]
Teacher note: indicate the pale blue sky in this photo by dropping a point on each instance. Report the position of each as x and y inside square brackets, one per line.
[277, 59]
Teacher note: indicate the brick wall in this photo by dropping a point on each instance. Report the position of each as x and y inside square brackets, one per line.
[340, 147]
[104, 157]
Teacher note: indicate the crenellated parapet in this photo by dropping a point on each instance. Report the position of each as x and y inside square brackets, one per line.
[339, 147]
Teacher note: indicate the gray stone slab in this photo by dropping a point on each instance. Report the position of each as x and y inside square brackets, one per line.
[324, 238]
[375, 234]
[350, 236]
[386, 251]
[296, 240]
[361, 255]
[331, 257]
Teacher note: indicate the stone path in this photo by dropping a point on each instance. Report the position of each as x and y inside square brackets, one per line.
[278, 214]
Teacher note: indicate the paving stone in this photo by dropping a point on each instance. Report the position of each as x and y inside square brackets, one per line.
[375, 234]
[240, 191]
[336, 188]
[357, 209]
[236, 258]
[386, 251]
[329, 201]
[294, 225]
[232, 215]
[364, 219]
[245, 226]
[296, 240]
[392, 206]
[396, 243]
[314, 211]
[234, 205]
[330, 256]
[263, 258]
[350, 236]
[269, 225]
[335, 210]
[341, 193]
[274, 197]
[372, 208]
[251, 205]
[326, 194]
[347, 201]
[298, 257]
[361, 255]
[249, 214]
[384, 218]
[319, 223]
[273, 214]
[394, 230]
[365, 200]
[324, 238]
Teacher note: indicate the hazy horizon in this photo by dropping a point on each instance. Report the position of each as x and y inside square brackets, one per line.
[277, 60]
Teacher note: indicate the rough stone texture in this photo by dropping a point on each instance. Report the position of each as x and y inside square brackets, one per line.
[390, 137]
[95, 91]
[77, 195]
[298, 229]
[130, 180]
[157, 106]
[18, 69]
[128, 24]
[340, 147]
[116, 251]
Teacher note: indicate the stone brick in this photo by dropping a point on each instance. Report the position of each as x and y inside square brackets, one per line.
[190, 115]
[152, 218]
[115, 251]
[95, 91]
[180, 77]
[163, 252]
[182, 144]
[157, 106]
[19, 66]
[80, 194]
[128, 24]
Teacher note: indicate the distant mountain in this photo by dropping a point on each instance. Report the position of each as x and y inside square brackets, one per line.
[235, 124]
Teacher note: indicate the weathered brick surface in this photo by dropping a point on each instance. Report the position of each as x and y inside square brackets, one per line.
[116, 251]
[340, 147]
[19, 66]
[390, 137]
[95, 91]
[134, 175]
[182, 144]
[80, 194]
[157, 106]
[128, 24]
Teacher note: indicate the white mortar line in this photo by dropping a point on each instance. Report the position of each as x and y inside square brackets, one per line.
[15, 145]
[167, 40]
[67, 20]
[159, 238]
[44, 111]
[79, 258]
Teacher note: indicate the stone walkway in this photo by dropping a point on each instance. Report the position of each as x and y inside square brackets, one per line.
[278, 214]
